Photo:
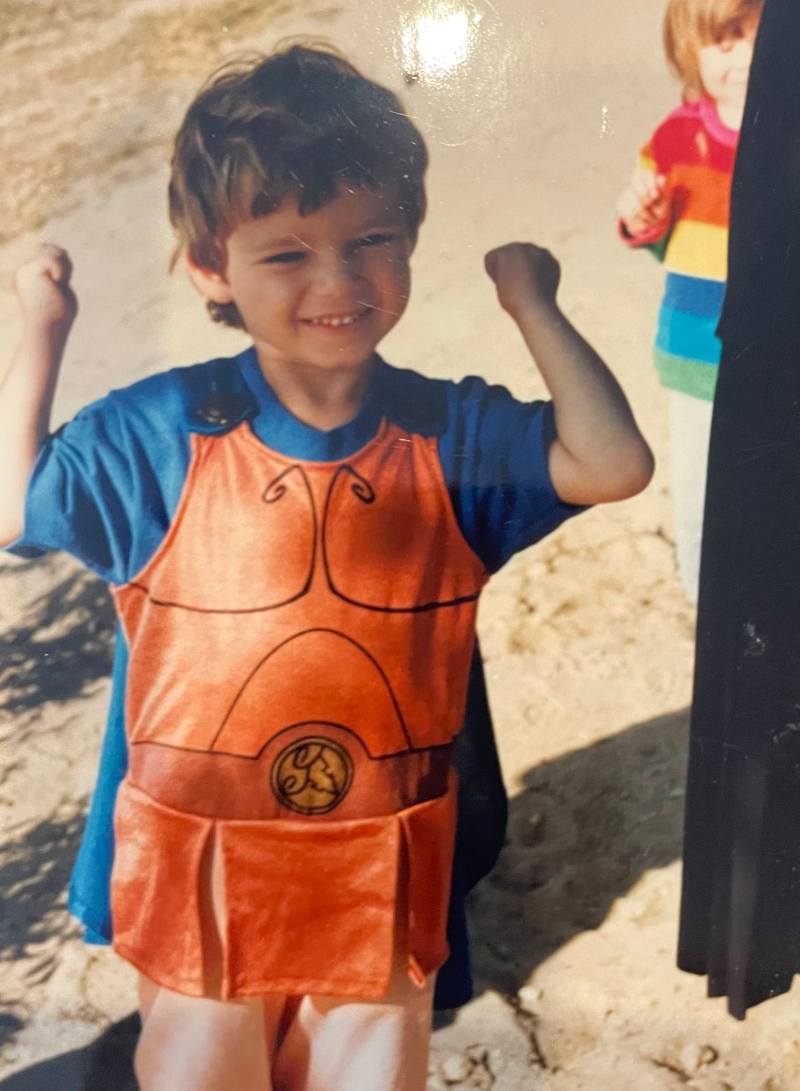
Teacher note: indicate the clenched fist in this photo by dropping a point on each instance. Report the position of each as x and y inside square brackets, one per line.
[44, 291]
[524, 275]
[644, 206]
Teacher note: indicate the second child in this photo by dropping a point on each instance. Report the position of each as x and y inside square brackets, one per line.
[676, 206]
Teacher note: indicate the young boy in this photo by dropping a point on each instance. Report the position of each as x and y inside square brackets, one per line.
[296, 540]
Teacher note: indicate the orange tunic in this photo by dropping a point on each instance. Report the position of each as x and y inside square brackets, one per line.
[299, 653]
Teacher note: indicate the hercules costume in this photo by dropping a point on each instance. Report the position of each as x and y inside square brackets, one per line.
[297, 613]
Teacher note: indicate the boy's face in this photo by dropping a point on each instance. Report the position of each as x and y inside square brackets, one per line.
[725, 64]
[319, 290]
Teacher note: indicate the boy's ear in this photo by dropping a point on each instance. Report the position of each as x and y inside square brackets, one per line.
[212, 286]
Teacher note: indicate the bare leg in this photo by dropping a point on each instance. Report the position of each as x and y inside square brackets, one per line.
[197, 1044]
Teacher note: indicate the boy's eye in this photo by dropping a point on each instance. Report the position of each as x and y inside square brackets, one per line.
[381, 238]
[287, 257]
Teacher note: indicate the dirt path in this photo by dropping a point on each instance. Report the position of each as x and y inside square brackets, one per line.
[532, 111]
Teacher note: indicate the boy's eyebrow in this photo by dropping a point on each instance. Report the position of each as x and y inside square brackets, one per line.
[284, 240]
[388, 221]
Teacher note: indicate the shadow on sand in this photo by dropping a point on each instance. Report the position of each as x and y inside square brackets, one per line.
[104, 1065]
[63, 640]
[58, 647]
[584, 829]
[35, 865]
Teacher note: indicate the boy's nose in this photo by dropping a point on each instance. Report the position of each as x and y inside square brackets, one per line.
[336, 274]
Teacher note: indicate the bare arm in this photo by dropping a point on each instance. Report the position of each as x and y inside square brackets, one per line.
[48, 307]
[599, 453]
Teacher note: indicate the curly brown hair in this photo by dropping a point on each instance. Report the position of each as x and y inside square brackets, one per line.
[299, 124]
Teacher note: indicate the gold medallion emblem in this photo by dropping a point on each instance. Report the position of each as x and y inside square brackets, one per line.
[312, 775]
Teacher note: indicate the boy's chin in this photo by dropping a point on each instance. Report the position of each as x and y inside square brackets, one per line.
[327, 362]
[347, 357]
[357, 362]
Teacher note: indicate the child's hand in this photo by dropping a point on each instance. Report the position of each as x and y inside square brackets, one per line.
[524, 275]
[44, 292]
[644, 205]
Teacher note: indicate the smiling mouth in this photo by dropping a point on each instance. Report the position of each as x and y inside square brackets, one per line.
[336, 321]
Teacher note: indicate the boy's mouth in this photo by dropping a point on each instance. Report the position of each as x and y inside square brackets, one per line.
[336, 321]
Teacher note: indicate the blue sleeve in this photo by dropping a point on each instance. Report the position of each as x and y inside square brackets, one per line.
[494, 453]
[105, 485]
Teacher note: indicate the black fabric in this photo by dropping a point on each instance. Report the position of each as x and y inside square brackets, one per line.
[740, 911]
[480, 832]
[222, 401]
[482, 801]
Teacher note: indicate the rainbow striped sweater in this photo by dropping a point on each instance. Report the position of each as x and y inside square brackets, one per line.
[695, 152]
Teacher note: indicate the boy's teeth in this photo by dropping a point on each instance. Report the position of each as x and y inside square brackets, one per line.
[344, 320]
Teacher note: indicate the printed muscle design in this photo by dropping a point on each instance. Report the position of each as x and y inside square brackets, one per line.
[303, 656]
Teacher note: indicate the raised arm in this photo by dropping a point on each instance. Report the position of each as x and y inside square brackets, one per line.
[599, 453]
[48, 306]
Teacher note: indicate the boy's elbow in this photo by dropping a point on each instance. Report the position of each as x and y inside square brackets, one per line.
[615, 475]
[631, 473]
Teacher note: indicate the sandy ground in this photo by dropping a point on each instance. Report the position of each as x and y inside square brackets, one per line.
[587, 639]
